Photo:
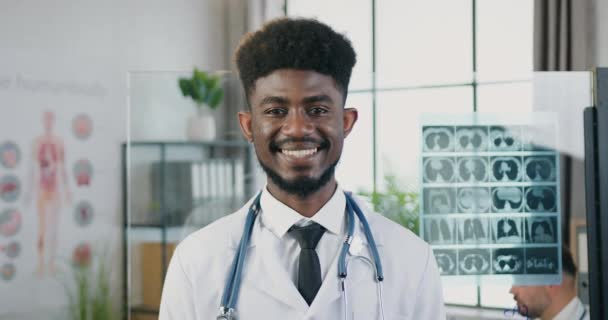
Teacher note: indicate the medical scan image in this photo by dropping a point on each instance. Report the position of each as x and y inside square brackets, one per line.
[473, 231]
[446, 261]
[474, 200]
[506, 169]
[439, 169]
[489, 198]
[439, 200]
[507, 199]
[472, 169]
[473, 138]
[541, 229]
[541, 199]
[508, 260]
[474, 261]
[438, 139]
[540, 169]
[508, 230]
[440, 231]
[505, 138]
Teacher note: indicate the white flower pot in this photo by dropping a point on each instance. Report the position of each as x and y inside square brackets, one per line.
[201, 128]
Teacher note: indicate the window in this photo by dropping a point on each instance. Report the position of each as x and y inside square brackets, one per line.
[415, 57]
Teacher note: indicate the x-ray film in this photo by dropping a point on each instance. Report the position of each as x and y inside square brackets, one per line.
[490, 197]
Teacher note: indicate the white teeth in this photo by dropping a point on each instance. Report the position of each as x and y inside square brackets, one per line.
[299, 153]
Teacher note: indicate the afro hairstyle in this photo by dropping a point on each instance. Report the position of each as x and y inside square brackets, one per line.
[301, 44]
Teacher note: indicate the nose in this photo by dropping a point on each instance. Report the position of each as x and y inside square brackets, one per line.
[297, 124]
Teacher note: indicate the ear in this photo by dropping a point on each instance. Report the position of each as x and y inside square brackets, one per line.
[350, 117]
[245, 123]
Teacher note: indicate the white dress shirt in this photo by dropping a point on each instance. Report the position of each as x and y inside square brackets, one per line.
[575, 310]
[278, 218]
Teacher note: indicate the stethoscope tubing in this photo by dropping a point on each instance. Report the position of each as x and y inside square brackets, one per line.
[231, 291]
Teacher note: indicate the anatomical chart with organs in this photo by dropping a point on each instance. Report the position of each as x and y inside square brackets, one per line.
[490, 196]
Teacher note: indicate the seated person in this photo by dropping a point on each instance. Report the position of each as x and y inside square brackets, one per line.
[552, 302]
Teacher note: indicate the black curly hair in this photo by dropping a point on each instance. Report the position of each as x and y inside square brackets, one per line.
[302, 44]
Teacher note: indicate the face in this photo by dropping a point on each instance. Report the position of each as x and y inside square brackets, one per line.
[532, 301]
[297, 124]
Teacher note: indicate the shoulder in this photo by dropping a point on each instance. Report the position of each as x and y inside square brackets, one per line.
[217, 236]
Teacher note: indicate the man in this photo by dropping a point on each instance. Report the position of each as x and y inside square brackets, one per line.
[552, 302]
[295, 74]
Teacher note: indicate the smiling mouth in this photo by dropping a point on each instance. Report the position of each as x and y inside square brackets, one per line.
[302, 153]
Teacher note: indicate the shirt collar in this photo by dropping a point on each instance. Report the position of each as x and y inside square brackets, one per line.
[573, 310]
[278, 217]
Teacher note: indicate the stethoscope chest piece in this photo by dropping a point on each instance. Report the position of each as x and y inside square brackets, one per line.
[356, 246]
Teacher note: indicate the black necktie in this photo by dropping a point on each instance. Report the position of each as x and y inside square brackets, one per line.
[309, 269]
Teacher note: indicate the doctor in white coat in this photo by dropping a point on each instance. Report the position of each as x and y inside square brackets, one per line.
[295, 73]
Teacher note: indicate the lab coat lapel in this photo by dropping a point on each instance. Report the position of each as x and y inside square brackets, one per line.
[269, 276]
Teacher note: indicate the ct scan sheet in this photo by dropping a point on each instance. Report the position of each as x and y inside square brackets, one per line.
[490, 196]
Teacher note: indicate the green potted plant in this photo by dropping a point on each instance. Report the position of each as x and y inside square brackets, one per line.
[397, 202]
[206, 90]
[89, 291]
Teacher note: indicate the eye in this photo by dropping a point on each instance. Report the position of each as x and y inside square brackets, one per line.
[276, 112]
[317, 110]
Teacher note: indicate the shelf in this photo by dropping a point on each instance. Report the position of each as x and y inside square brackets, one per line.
[154, 233]
[143, 309]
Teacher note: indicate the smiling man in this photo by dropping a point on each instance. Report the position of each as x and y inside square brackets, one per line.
[284, 254]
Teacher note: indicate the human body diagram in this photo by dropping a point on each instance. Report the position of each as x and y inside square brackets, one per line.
[49, 186]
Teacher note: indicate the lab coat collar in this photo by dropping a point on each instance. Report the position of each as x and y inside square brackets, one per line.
[280, 285]
[278, 217]
[235, 235]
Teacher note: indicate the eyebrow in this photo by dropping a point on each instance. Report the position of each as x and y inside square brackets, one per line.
[307, 100]
[319, 98]
[273, 99]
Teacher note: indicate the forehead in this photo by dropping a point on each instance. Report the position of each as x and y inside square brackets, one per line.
[295, 84]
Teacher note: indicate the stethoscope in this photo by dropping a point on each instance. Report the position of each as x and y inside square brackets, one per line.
[231, 290]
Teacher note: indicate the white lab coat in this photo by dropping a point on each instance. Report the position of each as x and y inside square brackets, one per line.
[197, 275]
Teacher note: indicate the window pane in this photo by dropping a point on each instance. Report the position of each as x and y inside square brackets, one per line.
[398, 135]
[398, 127]
[504, 39]
[509, 97]
[355, 171]
[423, 42]
[498, 296]
[460, 294]
[351, 17]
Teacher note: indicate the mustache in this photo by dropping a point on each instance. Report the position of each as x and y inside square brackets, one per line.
[276, 145]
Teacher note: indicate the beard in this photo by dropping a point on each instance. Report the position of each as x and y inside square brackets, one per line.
[301, 187]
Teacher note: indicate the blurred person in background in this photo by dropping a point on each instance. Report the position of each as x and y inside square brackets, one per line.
[552, 302]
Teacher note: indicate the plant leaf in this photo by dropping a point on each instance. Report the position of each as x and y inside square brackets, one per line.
[213, 82]
[215, 97]
[185, 87]
[199, 75]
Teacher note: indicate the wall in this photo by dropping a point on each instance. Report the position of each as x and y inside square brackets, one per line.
[88, 44]
[601, 32]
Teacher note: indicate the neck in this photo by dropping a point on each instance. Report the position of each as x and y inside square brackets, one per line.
[558, 303]
[308, 206]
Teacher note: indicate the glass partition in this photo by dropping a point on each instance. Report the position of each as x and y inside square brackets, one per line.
[175, 181]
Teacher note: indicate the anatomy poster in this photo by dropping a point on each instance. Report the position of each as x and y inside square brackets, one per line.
[490, 196]
[59, 163]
